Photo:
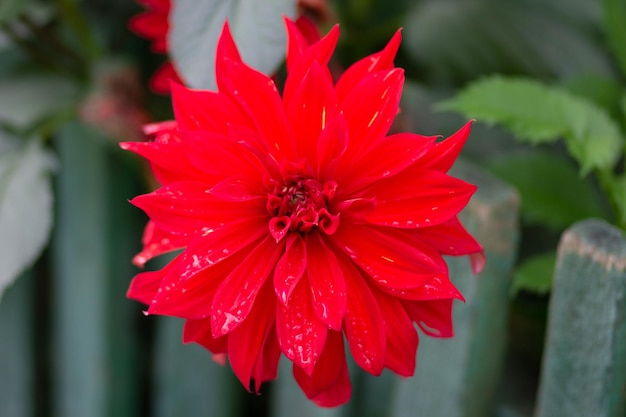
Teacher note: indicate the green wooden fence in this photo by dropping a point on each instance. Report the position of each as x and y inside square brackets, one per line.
[72, 345]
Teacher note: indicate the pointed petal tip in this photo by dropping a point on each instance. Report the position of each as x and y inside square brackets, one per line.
[478, 261]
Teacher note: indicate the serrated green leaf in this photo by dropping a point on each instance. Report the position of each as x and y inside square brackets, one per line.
[525, 107]
[28, 99]
[537, 114]
[605, 92]
[257, 28]
[535, 274]
[25, 205]
[552, 192]
[615, 25]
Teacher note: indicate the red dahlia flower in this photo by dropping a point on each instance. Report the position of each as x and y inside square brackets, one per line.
[300, 221]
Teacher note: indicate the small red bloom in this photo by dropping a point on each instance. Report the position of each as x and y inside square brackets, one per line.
[153, 24]
[301, 221]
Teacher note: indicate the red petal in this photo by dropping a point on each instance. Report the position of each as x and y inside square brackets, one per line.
[266, 368]
[331, 145]
[152, 25]
[310, 109]
[145, 285]
[434, 317]
[199, 331]
[437, 288]
[225, 156]
[308, 29]
[290, 268]
[443, 155]
[387, 258]
[156, 242]
[329, 385]
[236, 295]
[417, 198]
[187, 208]
[164, 77]
[301, 334]
[169, 161]
[386, 157]
[205, 110]
[478, 261]
[363, 323]
[226, 46]
[192, 297]
[246, 343]
[296, 42]
[379, 61]
[319, 52]
[220, 243]
[449, 238]
[258, 97]
[402, 340]
[328, 288]
[370, 108]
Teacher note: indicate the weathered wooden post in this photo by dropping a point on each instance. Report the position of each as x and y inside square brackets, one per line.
[17, 348]
[584, 364]
[186, 381]
[95, 353]
[459, 377]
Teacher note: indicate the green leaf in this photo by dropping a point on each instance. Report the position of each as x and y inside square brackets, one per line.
[257, 28]
[27, 100]
[460, 40]
[603, 91]
[615, 25]
[537, 113]
[551, 190]
[535, 274]
[25, 205]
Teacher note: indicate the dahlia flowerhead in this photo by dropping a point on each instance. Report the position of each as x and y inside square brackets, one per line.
[302, 224]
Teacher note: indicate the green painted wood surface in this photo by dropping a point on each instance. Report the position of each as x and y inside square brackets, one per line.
[17, 365]
[186, 381]
[94, 353]
[584, 364]
[459, 377]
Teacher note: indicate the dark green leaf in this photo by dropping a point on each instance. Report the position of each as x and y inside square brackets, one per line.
[552, 192]
[10, 9]
[459, 40]
[535, 274]
[25, 205]
[615, 24]
[256, 26]
[538, 113]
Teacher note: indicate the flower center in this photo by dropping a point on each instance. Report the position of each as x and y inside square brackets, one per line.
[301, 205]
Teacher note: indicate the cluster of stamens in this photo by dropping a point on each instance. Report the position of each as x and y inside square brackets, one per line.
[301, 205]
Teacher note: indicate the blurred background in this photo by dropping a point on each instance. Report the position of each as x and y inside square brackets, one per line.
[75, 81]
